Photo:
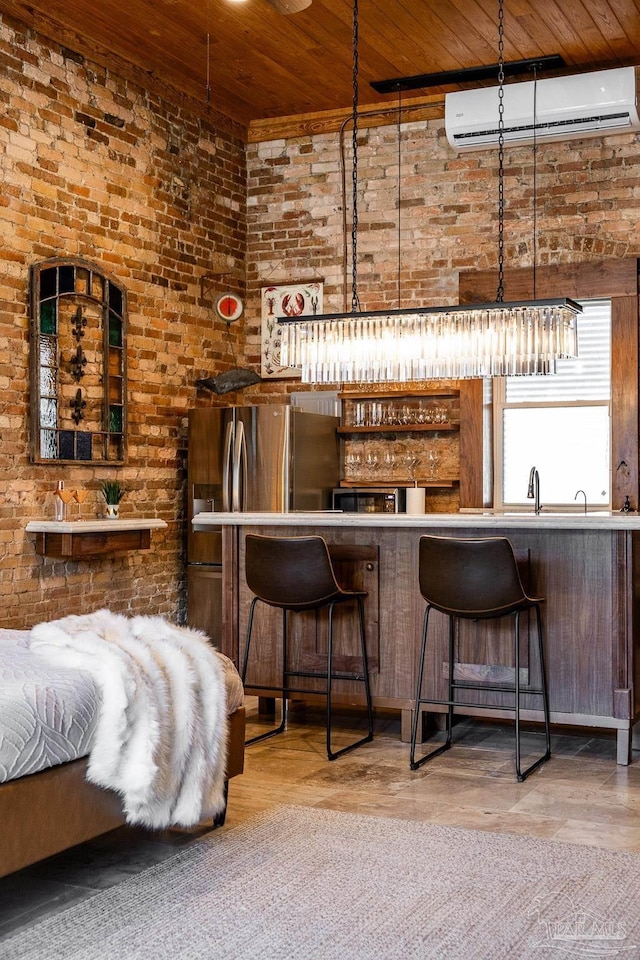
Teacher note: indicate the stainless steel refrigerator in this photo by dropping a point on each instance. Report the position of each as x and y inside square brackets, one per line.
[263, 458]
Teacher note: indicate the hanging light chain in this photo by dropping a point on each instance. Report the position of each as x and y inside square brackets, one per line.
[500, 292]
[399, 196]
[355, 303]
[208, 80]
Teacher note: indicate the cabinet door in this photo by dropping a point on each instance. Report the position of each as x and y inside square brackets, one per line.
[204, 601]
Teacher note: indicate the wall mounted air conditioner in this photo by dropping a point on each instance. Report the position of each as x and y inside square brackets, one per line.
[560, 108]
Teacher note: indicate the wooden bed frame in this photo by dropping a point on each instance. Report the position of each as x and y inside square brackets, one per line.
[44, 813]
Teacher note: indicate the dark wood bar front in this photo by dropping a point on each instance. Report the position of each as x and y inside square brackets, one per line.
[586, 568]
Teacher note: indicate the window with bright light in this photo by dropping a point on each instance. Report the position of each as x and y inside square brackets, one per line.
[560, 424]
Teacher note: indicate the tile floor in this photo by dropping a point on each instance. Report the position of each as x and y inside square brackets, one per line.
[580, 796]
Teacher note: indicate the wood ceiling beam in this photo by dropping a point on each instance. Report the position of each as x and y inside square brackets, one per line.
[330, 121]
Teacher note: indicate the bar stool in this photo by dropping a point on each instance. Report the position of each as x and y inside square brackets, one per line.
[294, 574]
[476, 580]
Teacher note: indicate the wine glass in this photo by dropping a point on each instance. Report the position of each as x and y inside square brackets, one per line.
[80, 496]
[389, 465]
[411, 462]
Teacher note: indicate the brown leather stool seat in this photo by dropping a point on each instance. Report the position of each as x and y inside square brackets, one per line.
[296, 574]
[476, 580]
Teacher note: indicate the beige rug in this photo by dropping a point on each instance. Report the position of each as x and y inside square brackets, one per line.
[312, 884]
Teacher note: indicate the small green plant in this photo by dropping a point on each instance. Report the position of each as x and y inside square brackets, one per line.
[112, 491]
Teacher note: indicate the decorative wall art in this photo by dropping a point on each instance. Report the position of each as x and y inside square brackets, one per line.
[78, 363]
[285, 300]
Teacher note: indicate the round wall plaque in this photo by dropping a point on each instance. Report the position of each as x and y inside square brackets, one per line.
[229, 306]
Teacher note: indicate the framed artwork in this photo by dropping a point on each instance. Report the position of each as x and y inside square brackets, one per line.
[285, 300]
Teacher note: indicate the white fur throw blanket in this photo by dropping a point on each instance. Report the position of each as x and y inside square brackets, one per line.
[161, 735]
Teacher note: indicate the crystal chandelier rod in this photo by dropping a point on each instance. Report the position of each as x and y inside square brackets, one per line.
[355, 303]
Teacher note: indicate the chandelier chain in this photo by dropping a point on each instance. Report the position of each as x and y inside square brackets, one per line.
[500, 292]
[399, 138]
[355, 304]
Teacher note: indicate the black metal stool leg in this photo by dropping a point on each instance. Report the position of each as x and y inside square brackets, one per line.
[245, 661]
[416, 716]
[543, 684]
[283, 722]
[365, 666]
[285, 660]
[523, 774]
[517, 691]
[416, 713]
[333, 754]
[451, 678]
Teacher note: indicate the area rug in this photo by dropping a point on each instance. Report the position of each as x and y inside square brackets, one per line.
[311, 884]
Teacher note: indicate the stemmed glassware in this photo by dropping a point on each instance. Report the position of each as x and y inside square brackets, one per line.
[80, 496]
[411, 462]
[389, 465]
[353, 462]
[440, 415]
[66, 496]
[371, 463]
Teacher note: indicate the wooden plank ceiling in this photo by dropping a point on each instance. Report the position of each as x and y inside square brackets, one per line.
[259, 65]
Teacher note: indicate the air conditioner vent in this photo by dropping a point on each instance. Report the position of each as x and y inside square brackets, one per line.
[560, 108]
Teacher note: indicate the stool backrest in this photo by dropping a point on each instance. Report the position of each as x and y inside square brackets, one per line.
[292, 572]
[470, 578]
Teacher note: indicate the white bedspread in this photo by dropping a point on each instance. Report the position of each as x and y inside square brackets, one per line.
[161, 731]
[47, 713]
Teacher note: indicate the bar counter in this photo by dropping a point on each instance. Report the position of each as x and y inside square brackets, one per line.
[584, 566]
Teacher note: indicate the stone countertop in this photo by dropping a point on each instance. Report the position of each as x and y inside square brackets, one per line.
[94, 526]
[487, 520]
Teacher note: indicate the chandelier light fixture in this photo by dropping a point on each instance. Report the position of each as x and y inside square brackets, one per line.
[417, 343]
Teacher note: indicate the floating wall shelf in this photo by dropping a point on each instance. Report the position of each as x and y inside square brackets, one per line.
[82, 539]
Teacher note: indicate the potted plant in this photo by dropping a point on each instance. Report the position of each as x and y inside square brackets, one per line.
[113, 492]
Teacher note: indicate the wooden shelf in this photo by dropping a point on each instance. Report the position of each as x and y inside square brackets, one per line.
[83, 539]
[391, 484]
[402, 428]
[399, 394]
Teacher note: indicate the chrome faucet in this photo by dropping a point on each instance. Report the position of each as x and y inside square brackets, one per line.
[533, 492]
[585, 499]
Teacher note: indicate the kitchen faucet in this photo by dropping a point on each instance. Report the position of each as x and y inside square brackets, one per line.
[533, 491]
[585, 499]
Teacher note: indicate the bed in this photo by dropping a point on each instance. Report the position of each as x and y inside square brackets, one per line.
[46, 803]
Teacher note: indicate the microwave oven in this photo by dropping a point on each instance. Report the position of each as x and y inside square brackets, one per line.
[369, 499]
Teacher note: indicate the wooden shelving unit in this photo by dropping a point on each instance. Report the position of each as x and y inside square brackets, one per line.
[383, 418]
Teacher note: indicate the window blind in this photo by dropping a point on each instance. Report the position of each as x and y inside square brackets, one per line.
[586, 378]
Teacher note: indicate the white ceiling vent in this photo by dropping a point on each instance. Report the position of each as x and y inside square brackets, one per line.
[560, 108]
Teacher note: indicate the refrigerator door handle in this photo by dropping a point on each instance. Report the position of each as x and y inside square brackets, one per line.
[239, 469]
[226, 468]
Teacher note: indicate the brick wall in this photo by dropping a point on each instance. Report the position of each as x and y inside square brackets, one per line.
[588, 207]
[95, 167]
